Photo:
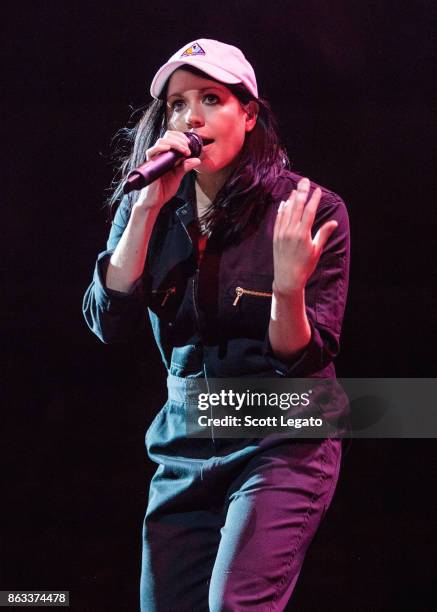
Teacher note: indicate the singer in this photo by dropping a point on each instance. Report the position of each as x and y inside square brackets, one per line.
[242, 266]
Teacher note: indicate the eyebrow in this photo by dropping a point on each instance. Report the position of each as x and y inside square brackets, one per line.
[200, 90]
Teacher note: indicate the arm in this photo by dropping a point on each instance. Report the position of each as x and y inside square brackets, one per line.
[310, 281]
[114, 303]
[114, 316]
[126, 264]
[289, 329]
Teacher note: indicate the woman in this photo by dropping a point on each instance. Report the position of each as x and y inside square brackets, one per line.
[243, 266]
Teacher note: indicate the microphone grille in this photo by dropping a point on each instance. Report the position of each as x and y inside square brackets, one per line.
[196, 143]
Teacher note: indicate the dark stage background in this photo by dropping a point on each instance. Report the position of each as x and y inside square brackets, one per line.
[351, 83]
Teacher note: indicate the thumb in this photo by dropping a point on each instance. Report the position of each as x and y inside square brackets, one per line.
[322, 236]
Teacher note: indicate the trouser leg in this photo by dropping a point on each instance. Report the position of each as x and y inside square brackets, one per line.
[180, 539]
[274, 509]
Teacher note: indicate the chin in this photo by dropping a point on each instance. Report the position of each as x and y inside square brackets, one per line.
[208, 166]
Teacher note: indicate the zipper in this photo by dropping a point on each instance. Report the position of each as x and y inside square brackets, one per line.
[194, 288]
[239, 292]
[167, 293]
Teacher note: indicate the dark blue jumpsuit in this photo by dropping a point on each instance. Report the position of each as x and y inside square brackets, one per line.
[228, 521]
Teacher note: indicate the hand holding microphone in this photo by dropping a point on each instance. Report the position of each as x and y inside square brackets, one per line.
[163, 157]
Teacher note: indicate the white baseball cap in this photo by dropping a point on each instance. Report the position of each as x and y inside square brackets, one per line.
[222, 62]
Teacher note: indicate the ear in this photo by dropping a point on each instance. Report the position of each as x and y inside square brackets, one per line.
[252, 110]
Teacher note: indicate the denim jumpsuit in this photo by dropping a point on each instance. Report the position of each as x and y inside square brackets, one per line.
[228, 521]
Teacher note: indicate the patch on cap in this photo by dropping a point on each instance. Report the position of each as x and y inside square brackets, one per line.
[195, 49]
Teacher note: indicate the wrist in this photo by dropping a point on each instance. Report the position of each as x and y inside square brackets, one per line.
[142, 209]
[288, 294]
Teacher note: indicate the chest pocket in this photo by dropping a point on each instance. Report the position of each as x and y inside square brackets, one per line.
[164, 301]
[161, 296]
[247, 303]
[167, 292]
[167, 295]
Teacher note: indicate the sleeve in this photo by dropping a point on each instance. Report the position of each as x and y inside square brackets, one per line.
[325, 297]
[113, 316]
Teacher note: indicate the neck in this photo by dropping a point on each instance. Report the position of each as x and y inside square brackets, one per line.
[203, 201]
[211, 184]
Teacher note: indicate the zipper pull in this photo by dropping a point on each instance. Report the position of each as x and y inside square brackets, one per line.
[168, 293]
[239, 291]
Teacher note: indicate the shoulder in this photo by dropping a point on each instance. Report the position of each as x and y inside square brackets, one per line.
[288, 180]
[330, 201]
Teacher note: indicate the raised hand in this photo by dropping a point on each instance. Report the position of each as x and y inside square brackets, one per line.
[295, 252]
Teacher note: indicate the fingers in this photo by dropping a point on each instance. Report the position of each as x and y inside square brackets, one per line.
[290, 211]
[187, 165]
[296, 216]
[309, 213]
[171, 140]
[283, 216]
[303, 188]
[322, 236]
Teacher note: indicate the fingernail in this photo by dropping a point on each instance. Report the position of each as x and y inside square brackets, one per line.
[281, 206]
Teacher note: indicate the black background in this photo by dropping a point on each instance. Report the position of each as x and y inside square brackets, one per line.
[351, 84]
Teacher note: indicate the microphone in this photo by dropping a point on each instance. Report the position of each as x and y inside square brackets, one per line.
[162, 163]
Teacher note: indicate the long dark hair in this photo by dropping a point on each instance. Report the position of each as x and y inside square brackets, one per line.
[244, 198]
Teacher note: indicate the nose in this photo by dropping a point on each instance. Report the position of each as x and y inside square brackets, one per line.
[194, 117]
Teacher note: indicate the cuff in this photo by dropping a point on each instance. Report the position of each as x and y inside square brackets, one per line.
[304, 363]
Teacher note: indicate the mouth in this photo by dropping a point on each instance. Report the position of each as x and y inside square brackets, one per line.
[207, 141]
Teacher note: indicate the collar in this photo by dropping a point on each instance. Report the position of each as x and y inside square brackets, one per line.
[185, 199]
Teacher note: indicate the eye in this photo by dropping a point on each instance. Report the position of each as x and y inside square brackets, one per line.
[176, 105]
[211, 99]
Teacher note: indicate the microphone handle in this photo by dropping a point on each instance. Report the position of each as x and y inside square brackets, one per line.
[151, 170]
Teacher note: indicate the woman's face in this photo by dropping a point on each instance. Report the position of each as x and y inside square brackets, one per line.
[209, 109]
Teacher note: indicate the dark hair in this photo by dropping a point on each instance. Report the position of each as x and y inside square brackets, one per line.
[246, 195]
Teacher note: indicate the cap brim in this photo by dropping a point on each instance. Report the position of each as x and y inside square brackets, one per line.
[167, 70]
